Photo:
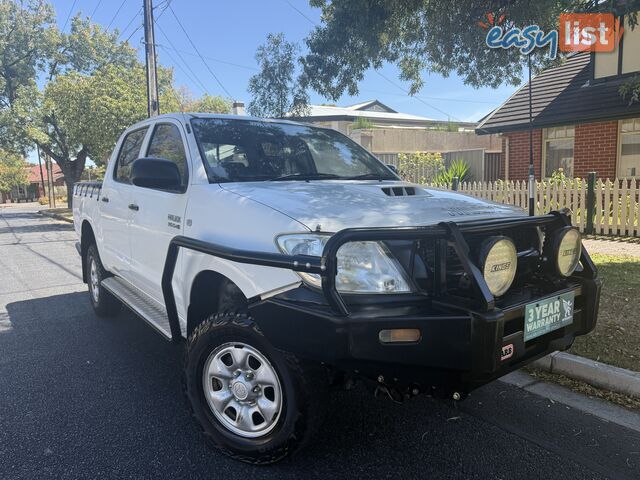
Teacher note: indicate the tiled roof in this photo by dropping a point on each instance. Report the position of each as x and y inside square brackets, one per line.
[328, 111]
[34, 173]
[561, 95]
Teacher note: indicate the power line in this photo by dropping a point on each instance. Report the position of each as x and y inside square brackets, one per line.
[198, 82]
[166, 4]
[130, 22]
[134, 32]
[95, 8]
[198, 52]
[185, 72]
[226, 62]
[73, 5]
[115, 14]
[301, 13]
[417, 98]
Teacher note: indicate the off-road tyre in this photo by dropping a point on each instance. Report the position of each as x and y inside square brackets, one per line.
[103, 303]
[304, 390]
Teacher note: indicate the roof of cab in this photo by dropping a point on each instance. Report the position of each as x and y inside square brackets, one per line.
[186, 116]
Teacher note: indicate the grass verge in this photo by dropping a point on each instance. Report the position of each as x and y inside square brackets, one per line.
[578, 386]
[616, 338]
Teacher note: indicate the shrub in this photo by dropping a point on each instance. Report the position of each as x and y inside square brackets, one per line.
[458, 168]
[361, 123]
[420, 167]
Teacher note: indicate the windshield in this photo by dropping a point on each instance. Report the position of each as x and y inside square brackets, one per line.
[243, 151]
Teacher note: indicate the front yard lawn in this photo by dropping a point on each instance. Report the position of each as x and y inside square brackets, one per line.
[616, 338]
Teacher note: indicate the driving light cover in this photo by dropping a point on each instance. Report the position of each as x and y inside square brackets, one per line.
[569, 250]
[399, 335]
[499, 261]
[363, 267]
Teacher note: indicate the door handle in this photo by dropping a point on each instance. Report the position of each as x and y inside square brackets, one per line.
[133, 206]
[105, 199]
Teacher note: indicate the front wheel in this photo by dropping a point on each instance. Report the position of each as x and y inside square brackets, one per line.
[252, 401]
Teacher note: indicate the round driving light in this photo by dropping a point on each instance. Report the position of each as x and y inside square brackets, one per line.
[498, 260]
[569, 249]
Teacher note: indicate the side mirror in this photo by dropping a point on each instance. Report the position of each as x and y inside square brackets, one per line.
[155, 173]
[393, 168]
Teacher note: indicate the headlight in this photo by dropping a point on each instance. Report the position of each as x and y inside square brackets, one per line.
[569, 249]
[363, 267]
[498, 260]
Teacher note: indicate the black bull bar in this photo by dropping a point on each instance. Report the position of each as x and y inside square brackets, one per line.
[327, 266]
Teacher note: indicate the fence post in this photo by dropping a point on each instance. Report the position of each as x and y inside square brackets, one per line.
[455, 183]
[591, 202]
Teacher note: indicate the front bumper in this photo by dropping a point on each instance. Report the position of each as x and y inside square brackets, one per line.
[459, 350]
[463, 330]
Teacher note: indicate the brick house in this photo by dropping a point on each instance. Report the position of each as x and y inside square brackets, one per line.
[33, 189]
[581, 122]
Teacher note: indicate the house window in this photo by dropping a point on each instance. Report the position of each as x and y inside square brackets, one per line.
[629, 149]
[558, 150]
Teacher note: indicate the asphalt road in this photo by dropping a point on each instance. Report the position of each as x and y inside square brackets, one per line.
[82, 397]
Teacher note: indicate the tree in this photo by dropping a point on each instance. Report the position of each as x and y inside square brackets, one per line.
[95, 87]
[26, 41]
[275, 90]
[425, 36]
[13, 171]
[207, 103]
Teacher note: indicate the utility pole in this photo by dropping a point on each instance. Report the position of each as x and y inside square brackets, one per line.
[48, 161]
[153, 106]
[44, 189]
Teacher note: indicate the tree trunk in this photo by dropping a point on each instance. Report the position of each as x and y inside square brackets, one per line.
[72, 171]
[70, 191]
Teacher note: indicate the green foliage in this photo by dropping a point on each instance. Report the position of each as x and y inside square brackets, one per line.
[631, 90]
[420, 167]
[558, 176]
[13, 171]
[361, 123]
[72, 94]
[426, 36]
[210, 104]
[93, 173]
[458, 168]
[448, 127]
[206, 104]
[275, 91]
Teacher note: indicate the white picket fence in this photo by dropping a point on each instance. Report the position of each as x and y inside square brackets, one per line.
[616, 206]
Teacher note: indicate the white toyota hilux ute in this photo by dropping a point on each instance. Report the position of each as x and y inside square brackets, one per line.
[286, 259]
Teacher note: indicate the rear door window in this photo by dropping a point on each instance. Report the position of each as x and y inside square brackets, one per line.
[129, 151]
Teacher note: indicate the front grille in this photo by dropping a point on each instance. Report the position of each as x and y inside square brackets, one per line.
[433, 256]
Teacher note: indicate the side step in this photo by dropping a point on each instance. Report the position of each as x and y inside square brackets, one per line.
[142, 305]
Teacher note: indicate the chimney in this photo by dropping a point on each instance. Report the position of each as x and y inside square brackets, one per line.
[238, 108]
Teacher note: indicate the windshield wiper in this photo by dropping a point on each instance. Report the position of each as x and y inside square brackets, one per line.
[304, 176]
[371, 176]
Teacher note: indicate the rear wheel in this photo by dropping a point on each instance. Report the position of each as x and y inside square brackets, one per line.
[103, 302]
[252, 401]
